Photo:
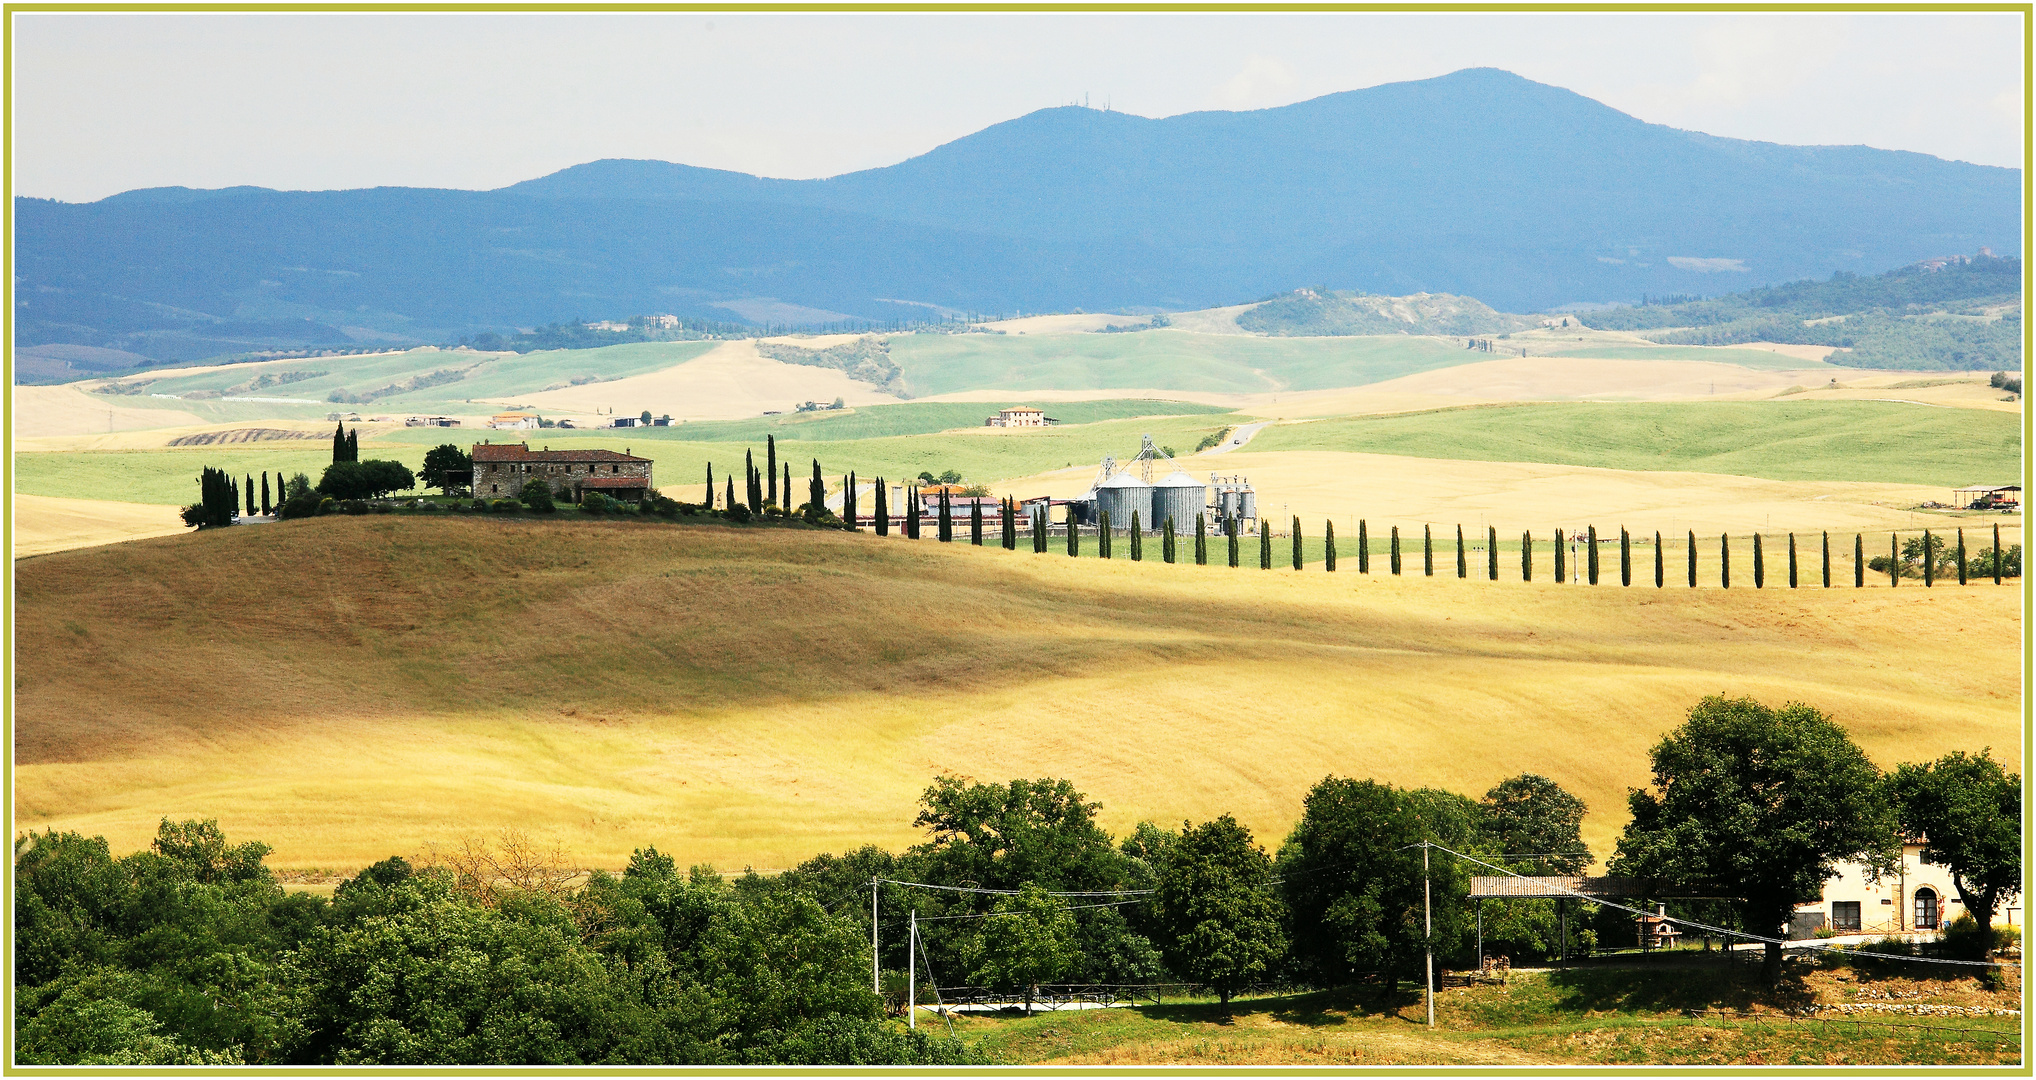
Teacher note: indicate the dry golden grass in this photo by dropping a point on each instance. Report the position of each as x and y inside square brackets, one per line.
[730, 382]
[43, 524]
[1390, 490]
[67, 410]
[348, 688]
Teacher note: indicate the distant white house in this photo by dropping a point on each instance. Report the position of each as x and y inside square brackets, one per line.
[1021, 416]
[430, 421]
[1918, 898]
[513, 421]
[607, 325]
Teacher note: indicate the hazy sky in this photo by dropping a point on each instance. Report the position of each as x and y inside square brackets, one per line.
[108, 102]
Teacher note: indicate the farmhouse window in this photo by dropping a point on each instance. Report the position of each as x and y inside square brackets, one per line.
[1845, 915]
[1926, 909]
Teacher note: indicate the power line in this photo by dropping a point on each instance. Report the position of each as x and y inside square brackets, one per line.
[1841, 950]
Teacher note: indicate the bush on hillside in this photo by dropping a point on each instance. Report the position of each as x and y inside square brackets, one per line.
[505, 506]
[365, 479]
[536, 494]
[737, 513]
[593, 502]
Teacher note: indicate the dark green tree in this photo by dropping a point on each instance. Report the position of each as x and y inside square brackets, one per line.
[1363, 549]
[1995, 560]
[339, 443]
[1724, 561]
[1230, 525]
[709, 500]
[266, 508]
[1492, 552]
[1462, 562]
[1104, 535]
[1137, 539]
[536, 495]
[247, 490]
[771, 468]
[913, 505]
[1757, 803]
[1561, 560]
[1591, 556]
[353, 445]
[444, 462]
[1759, 564]
[1030, 939]
[1660, 563]
[1625, 558]
[1427, 551]
[1393, 554]
[1295, 533]
[1967, 808]
[1219, 916]
[1201, 539]
[1961, 546]
[1859, 560]
[1329, 546]
[1929, 560]
[883, 517]
[1168, 552]
[1792, 560]
[1526, 555]
[1264, 544]
[1039, 530]
[1007, 521]
[1531, 815]
[1074, 533]
[1692, 542]
[785, 486]
[816, 489]
[945, 521]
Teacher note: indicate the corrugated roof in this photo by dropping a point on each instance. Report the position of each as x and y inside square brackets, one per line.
[1179, 479]
[1555, 885]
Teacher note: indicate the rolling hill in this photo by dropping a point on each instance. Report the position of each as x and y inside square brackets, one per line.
[347, 688]
[1478, 183]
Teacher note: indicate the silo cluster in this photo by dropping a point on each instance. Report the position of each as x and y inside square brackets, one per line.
[1179, 497]
[1122, 494]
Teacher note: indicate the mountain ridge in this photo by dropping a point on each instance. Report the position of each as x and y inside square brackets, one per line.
[1479, 183]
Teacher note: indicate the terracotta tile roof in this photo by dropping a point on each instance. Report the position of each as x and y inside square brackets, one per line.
[622, 482]
[523, 452]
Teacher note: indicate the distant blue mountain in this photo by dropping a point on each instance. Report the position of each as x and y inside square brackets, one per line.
[1480, 183]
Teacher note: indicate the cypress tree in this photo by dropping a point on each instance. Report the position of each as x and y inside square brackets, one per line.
[976, 523]
[1997, 553]
[883, 508]
[1693, 558]
[1039, 530]
[1201, 539]
[731, 493]
[786, 490]
[751, 492]
[1264, 544]
[1827, 558]
[1363, 549]
[913, 512]
[1894, 561]
[1859, 560]
[816, 489]
[1961, 545]
[1329, 546]
[709, 500]
[1625, 558]
[1103, 536]
[1660, 557]
[771, 467]
[945, 529]
[1759, 564]
[1526, 555]
[1427, 551]
[1591, 556]
[1166, 542]
[1929, 561]
[353, 445]
[1231, 524]
[265, 490]
[1137, 539]
[1007, 521]
[851, 504]
[1792, 560]
[1462, 566]
[1297, 542]
[338, 443]
[1724, 561]
[1492, 552]
[1561, 560]
[248, 489]
[1074, 541]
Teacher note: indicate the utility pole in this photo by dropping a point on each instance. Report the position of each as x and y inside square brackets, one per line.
[1428, 929]
[912, 973]
[876, 976]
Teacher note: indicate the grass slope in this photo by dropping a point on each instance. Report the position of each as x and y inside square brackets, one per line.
[1160, 359]
[1679, 1009]
[1781, 440]
[351, 687]
[1757, 359]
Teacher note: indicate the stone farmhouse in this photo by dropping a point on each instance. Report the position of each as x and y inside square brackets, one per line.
[501, 470]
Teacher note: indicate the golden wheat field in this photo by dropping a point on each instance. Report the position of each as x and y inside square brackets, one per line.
[348, 688]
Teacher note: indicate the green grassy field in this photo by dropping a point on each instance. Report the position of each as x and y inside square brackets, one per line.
[875, 421]
[1692, 1012]
[1758, 359]
[1781, 440]
[166, 476]
[488, 376]
[1167, 359]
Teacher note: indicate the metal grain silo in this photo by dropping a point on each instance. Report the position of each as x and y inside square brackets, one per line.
[1122, 494]
[1180, 497]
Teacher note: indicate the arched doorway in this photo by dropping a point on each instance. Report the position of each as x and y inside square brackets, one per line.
[1926, 909]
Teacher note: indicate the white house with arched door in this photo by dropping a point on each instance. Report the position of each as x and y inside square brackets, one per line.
[1918, 899]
